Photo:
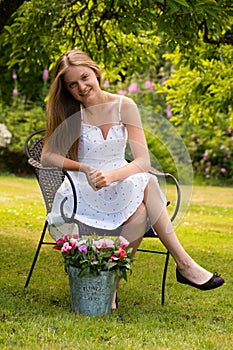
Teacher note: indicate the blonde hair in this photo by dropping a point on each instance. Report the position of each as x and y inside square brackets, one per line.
[61, 104]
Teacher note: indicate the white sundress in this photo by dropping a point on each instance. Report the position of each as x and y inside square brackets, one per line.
[109, 207]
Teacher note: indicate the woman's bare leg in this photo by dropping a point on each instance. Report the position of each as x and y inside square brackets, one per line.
[159, 217]
[133, 230]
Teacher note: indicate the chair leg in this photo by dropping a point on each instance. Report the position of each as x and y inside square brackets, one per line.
[36, 255]
[164, 278]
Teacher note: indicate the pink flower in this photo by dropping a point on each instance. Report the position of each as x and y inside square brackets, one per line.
[169, 112]
[122, 253]
[83, 249]
[133, 88]
[75, 235]
[222, 147]
[122, 92]
[124, 243]
[45, 74]
[223, 170]
[14, 76]
[15, 92]
[207, 170]
[106, 83]
[98, 245]
[208, 163]
[61, 241]
[149, 85]
[228, 130]
[66, 248]
[73, 243]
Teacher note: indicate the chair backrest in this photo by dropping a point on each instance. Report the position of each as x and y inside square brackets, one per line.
[49, 179]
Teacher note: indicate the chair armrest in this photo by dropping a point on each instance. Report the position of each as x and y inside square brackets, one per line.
[44, 175]
[157, 173]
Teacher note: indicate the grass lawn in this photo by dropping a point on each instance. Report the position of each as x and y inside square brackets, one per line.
[40, 318]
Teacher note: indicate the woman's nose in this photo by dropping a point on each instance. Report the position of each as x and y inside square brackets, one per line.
[81, 86]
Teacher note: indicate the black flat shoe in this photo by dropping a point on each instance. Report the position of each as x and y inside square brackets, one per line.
[214, 282]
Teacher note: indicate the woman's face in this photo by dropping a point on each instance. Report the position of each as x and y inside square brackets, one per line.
[82, 83]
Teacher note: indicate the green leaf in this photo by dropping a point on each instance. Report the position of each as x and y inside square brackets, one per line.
[181, 2]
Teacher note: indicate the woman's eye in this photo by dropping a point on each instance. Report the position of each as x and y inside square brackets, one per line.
[72, 85]
[85, 77]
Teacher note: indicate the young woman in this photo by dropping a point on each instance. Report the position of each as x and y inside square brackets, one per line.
[91, 126]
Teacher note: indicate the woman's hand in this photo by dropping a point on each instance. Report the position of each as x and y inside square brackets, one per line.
[99, 179]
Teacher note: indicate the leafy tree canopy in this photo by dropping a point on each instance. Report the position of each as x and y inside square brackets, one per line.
[120, 34]
[123, 37]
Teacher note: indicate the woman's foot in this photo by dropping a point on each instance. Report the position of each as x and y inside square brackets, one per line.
[215, 281]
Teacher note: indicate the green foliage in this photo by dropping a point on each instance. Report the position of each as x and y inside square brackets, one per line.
[122, 36]
[21, 120]
[201, 89]
[211, 151]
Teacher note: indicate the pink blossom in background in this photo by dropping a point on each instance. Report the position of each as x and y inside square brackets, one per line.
[122, 92]
[223, 170]
[149, 85]
[14, 76]
[222, 147]
[193, 136]
[106, 83]
[207, 176]
[169, 112]
[207, 170]
[208, 163]
[163, 80]
[133, 87]
[228, 130]
[15, 92]
[45, 74]
[75, 235]
[23, 101]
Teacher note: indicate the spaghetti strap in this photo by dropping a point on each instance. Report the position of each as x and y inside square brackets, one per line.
[81, 112]
[119, 109]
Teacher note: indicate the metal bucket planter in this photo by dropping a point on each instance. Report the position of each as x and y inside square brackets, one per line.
[91, 295]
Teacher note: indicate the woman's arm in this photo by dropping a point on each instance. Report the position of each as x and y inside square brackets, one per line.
[49, 158]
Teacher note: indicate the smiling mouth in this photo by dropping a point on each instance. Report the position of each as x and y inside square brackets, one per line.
[84, 93]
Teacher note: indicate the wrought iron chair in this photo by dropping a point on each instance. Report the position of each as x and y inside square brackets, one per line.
[51, 178]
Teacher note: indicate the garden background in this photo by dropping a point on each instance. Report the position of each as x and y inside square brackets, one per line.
[174, 58]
